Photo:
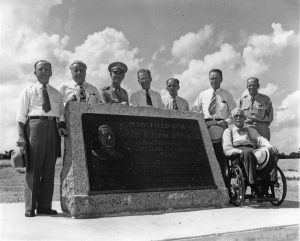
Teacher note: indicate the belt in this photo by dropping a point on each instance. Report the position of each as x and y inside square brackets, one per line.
[42, 117]
[213, 119]
[256, 123]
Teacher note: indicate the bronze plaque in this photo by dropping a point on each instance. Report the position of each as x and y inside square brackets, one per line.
[137, 154]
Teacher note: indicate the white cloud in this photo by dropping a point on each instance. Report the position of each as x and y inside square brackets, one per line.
[24, 41]
[22, 37]
[269, 90]
[8, 124]
[195, 77]
[188, 45]
[288, 113]
[100, 49]
[286, 139]
[261, 47]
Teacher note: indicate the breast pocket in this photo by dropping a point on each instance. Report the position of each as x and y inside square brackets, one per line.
[36, 100]
[55, 105]
[261, 111]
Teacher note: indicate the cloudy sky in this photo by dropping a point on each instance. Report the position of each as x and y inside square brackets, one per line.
[171, 37]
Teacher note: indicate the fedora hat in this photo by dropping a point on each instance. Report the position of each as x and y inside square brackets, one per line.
[262, 155]
[18, 158]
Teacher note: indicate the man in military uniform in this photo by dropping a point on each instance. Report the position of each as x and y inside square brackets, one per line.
[257, 108]
[115, 93]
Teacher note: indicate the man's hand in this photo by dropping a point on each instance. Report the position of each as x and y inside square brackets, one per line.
[274, 148]
[223, 124]
[62, 132]
[73, 98]
[21, 142]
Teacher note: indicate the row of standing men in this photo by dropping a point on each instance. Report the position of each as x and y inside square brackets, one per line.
[257, 107]
[40, 116]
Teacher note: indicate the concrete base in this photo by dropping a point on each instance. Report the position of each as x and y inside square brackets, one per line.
[252, 222]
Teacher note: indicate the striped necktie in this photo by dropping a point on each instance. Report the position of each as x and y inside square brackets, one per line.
[148, 98]
[212, 105]
[175, 106]
[82, 94]
[252, 102]
[46, 101]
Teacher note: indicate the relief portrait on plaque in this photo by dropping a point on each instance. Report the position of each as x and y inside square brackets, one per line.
[107, 150]
[108, 164]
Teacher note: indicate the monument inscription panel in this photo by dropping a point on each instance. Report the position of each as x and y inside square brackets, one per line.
[136, 153]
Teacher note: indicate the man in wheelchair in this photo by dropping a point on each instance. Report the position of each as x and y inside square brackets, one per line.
[253, 153]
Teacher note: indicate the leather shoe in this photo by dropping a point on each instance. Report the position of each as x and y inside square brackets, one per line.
[30, 213]
[47, 211]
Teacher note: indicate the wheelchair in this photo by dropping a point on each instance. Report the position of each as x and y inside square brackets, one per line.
[237, 183]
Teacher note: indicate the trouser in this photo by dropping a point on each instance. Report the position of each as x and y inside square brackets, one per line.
[221, 159]
[42, 137]
[249, 161]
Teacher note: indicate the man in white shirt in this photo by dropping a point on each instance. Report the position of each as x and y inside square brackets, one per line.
[171, 100]
[216, 105]
[78, 89]
[145, 96]
[40, 118]
[241, 140]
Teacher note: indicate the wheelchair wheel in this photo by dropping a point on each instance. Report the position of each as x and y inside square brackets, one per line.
[236, 186]
[279, 188]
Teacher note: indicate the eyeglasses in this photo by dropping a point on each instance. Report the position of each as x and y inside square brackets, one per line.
[118, 72]
[238, 116]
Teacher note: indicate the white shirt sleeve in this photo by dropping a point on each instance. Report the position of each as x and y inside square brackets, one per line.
[23, 107]
[227, 143]
[197, 107]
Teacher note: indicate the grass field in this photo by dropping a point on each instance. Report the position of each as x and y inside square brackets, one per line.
[12, 181]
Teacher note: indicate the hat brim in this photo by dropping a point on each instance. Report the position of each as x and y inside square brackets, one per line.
[17, 159]
[263, 157]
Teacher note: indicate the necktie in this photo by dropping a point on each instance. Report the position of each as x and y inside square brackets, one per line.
[148, 98]
[175, 106]
[82, 94]
[252, 101]
[212, 105]
[240, 131]
[46, 101]
[118, 94]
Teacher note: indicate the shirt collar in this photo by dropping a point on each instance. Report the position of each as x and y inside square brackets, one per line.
[144, 91]
[171, 97]
[254, 97]
[235, 128]
[83, 84]
[217, 90]
[114, 88]
[40, 85]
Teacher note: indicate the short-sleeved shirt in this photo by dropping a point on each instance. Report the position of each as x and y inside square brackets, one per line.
[138, 98]
[70, 88]
[167, 101]
[224, 104]
[31, 101]
[110, 94]
[260, 111]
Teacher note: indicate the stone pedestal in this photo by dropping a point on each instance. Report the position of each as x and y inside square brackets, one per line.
[160, 161]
